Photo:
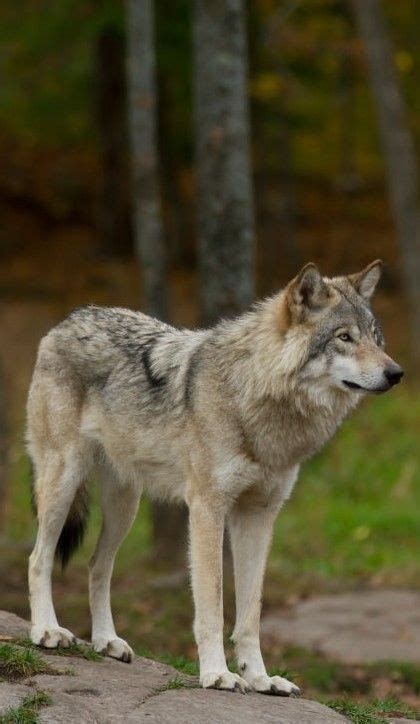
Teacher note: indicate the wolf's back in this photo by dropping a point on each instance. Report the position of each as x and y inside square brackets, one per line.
[93, 340]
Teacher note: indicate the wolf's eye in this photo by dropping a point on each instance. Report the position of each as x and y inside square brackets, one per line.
[345, 337]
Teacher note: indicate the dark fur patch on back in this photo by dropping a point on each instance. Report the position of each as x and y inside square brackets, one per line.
[74, 528]
[189, 378]
[154, 380]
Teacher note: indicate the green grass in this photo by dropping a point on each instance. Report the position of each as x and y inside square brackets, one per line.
[27, 712]
[315, 673]
[84, 651]
[353, 515]
[175, 683]
[404, 673]
[80, 650]
[371, 713]
[19, 663]
[181, 663]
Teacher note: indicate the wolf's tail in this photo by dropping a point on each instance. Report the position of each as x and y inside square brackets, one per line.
[74, 528]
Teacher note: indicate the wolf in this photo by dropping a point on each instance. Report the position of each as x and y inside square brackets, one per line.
[221, 418]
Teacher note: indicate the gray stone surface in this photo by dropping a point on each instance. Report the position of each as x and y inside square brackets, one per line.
[11, 695]
[356, 628]
[107, 689]
[90, 692]
[216, 707]
[11, 625]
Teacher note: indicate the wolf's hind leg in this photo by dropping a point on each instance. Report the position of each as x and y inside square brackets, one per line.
[56, 486]
[250, 533]
[120, 503]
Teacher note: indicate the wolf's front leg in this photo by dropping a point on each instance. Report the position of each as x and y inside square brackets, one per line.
[206, 550]
[250, 532]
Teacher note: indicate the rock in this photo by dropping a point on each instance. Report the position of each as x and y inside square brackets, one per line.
[101, 692]
[355, 628]
[215, 707]
[11, 695]
[11, 625]
[107, 689]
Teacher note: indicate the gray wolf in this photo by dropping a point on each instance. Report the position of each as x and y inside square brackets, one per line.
[221, 418]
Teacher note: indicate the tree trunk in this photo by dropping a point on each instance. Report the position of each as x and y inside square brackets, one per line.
[148, 226]
[111, 115]
[225, 207]
[285, 252]
[3, 449]
[347, 178]
[398, 148]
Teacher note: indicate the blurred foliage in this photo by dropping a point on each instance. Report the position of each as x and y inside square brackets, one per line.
[306, 66]
[47, 61]
[353, 517]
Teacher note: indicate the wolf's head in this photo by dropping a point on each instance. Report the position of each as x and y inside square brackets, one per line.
[344, 345]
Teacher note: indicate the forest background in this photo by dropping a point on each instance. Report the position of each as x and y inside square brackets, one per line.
[324, 189]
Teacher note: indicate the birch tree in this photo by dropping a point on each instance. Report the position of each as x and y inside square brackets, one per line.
[3, 448]
[169, 522]
[224, 186]
[148, 225]
[398, 148]
[111, 117]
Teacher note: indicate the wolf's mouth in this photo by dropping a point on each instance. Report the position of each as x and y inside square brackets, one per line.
[352, 385]
[355, 386]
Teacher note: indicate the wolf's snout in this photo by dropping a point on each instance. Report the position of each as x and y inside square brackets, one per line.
[393, 374]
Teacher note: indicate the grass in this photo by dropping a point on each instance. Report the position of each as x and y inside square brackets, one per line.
[175, 683]
[19, 663]
[84, 651]
[27, 712]
[404, 673]
[352, 517]
[79, 650]
[319, 675]
[181, 663]
[371, 713]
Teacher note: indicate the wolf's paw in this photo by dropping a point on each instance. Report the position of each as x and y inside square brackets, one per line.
[275, 685]
[116, 647]
[50, 638]
[226, 681]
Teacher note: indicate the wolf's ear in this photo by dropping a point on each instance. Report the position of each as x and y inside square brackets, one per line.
[308, 289]
[365, 281]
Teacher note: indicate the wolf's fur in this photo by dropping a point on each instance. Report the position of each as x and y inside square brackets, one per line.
[220, 418]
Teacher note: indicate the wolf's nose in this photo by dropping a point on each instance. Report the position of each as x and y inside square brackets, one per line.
[393, 374]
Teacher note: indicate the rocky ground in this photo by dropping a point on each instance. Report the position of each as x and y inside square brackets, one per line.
[72, 688]
[360, 627]
[82, 686]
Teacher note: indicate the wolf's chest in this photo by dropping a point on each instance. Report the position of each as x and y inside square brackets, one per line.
[285, 437]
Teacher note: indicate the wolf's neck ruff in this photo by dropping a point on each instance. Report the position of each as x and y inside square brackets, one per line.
[286, 413]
